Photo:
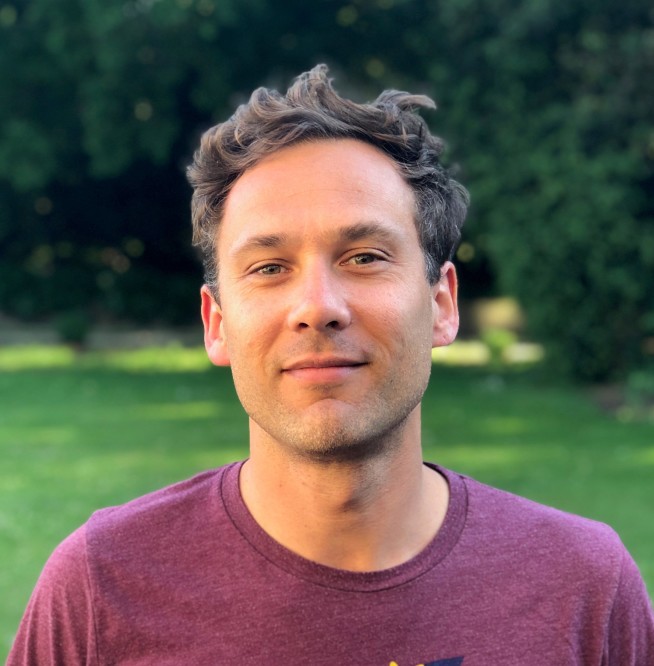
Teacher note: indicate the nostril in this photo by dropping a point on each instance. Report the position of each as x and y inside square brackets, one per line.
[319, 308]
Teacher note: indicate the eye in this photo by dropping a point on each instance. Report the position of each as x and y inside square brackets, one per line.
[363, 258]
[270, 269]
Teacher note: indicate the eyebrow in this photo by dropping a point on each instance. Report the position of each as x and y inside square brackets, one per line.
[351, 233]
[363, 230]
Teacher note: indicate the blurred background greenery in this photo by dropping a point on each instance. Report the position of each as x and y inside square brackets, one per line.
[547, 108]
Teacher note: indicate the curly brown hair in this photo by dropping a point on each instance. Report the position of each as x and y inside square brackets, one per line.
[312, 110]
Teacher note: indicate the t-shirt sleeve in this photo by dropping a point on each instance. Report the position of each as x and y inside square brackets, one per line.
[58, 625]
[630, 637]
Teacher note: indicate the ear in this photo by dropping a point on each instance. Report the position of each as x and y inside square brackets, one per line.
[214, 330]
[446, 308]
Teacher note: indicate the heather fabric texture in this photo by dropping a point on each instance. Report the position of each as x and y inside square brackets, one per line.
[186, 576]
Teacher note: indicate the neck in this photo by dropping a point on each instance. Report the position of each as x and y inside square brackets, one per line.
[362, 515]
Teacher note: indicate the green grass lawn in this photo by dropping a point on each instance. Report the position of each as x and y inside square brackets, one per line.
[78, 433]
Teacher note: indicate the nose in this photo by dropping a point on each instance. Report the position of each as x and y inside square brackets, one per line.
[319, 301]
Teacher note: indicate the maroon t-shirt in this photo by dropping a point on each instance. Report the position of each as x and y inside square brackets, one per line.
[186, 576]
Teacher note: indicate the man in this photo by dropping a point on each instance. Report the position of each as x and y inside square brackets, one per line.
[327, 229]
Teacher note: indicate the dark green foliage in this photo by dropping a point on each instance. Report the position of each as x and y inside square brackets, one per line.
[548, 105]
[73, 326]
[571, 228]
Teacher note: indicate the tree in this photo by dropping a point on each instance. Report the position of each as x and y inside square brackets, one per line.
[547, 105]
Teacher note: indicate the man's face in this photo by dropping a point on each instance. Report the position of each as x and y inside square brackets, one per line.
[325, 315]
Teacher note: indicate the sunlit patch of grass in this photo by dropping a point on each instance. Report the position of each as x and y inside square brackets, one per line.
[506, 426]
[477, 353]
[467, 456]
[645, 457]
[171, 358]
[524, 352]
[177, 411]
[35, 357]
[37, 436]
[462, 353]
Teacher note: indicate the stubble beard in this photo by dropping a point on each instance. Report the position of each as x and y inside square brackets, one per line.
[346, 433]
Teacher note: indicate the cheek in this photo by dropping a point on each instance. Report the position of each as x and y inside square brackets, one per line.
[248, 338]
[411, 319]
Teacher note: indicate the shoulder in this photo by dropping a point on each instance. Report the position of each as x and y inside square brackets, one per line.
[175, 508]
[178, 507]
[533, 544]
[68, 556]
[58, 624]
[573, 568]
[119, 550]
[514, 517]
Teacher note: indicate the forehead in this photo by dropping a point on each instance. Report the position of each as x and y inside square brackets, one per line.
[317, 186]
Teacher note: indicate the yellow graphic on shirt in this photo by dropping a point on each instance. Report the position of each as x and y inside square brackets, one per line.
[453, 661]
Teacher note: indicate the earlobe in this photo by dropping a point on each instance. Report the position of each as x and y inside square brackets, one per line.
[446, 308]
[214, 330]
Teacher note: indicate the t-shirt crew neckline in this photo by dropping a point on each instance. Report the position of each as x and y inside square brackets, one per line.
[434, 553]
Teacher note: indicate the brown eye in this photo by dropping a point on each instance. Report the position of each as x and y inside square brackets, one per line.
[362, 259]
[270, 269]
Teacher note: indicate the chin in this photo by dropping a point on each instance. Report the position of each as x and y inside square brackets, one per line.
[337, 432]
[330, 451]
[329, 442]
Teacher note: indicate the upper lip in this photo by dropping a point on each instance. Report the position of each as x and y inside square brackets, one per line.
[322, 362]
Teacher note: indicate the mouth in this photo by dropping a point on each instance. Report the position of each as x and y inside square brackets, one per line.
[322, 370]
[322, 363]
